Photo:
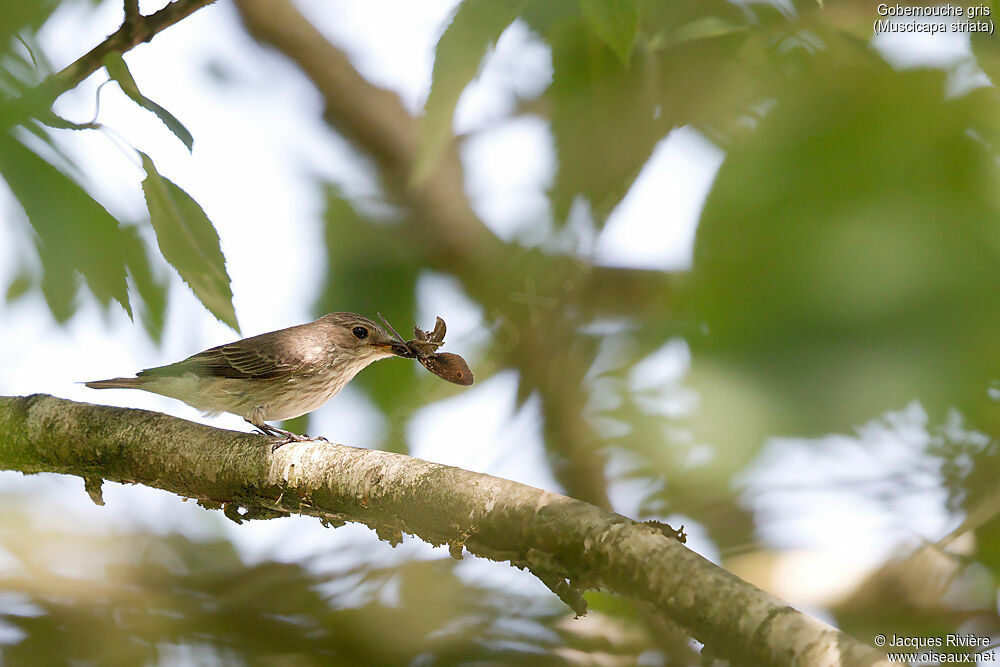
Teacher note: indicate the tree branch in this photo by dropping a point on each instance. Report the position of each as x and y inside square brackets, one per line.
[571, 545]
[135, 30]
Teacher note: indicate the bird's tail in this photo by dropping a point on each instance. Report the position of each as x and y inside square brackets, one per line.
[114, 383]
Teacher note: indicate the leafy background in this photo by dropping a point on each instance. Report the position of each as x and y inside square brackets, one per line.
[732, 265]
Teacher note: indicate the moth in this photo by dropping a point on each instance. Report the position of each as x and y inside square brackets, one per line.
[446, 365]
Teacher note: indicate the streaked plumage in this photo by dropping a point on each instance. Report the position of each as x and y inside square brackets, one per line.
[273, 376]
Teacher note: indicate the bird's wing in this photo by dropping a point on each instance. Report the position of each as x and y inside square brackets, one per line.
[260, 358]
[246, 361]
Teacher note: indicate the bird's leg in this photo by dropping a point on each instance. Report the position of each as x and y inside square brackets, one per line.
[286, 436]
[273, 431]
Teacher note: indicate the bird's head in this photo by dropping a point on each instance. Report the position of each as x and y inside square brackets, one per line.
[360, 336]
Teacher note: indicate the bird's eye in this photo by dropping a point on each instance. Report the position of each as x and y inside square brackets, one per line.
[360, 333]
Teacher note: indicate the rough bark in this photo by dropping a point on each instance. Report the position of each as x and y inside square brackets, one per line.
[571, 545]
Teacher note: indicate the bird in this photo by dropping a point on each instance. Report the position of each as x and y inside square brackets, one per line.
[273, 376]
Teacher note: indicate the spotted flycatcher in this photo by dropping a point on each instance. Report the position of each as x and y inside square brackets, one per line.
[273, 376]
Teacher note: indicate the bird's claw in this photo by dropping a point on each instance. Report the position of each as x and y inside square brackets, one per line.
[280, 443]
[287, 437]
[292, 437]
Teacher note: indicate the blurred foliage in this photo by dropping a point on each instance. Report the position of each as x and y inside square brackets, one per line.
[476, 26]
[16, 18]
[74, 233]
[845, 263]
[847, 257]
[845, 267]
[370, 264]
[131, 598]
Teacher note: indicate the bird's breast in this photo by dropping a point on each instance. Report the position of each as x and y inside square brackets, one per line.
[304, 392]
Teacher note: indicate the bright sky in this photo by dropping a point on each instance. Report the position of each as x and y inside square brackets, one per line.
[258, 143]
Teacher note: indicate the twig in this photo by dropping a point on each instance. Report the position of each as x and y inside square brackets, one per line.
[132, 15]
[135, 30]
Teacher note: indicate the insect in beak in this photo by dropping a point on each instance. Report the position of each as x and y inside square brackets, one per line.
[448, 366]
[423, 348]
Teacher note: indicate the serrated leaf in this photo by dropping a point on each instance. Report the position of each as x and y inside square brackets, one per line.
[475, 27]
[615, 22]
[170, 121]
[118, 70]
[189, 242]
[74, 232]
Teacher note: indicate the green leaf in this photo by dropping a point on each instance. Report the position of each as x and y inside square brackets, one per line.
[58, 122]
[19, 286]
[170, 121]
[476, 27]
[118, 70]
[615, 22]
[846, 257]
[189, 242]
[605, 118]
[57, 156]
[23, 17]
[152, 291]
[705, 28]
[59, 286]
[74, 232]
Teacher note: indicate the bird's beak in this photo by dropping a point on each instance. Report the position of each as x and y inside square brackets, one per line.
[395, 344]
[396, 348]
[401, 350]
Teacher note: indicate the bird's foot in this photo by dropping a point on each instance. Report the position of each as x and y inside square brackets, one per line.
[285, 440]
[292, 437]
[282, 443]
[287, 437]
